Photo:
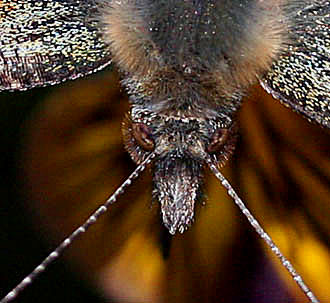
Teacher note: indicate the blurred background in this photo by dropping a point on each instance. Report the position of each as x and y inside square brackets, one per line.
[62, 155]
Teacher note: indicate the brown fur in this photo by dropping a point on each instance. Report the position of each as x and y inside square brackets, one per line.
[129, 40]
[259, 49]
[134, 52]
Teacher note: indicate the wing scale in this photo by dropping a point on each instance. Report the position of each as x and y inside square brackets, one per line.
[47, 42]
[301, 77]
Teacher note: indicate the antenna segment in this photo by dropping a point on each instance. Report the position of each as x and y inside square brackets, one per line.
[253, 221]
[81, 229]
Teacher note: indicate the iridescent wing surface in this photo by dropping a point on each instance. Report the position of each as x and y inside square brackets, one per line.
[301, 77]
[47, 42]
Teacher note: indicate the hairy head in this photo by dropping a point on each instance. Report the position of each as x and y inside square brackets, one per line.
[181, 146]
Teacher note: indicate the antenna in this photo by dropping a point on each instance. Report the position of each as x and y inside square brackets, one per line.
[253, 221]
[81, 229]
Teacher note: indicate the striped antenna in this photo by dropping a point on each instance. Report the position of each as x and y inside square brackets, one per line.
[286, 263]
[81, 229]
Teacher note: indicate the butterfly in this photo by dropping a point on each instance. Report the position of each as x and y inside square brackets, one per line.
[182, 72]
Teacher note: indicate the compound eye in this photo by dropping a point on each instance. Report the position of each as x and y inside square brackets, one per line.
[142, 135]
[219, 138]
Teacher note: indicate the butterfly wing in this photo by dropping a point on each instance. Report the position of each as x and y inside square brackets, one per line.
[301, 77]
[45, 42]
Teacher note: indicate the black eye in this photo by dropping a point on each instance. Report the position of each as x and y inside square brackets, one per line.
[142, 135]
[219, 138]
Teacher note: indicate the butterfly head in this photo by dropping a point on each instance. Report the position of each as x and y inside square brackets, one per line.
[181, 146]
